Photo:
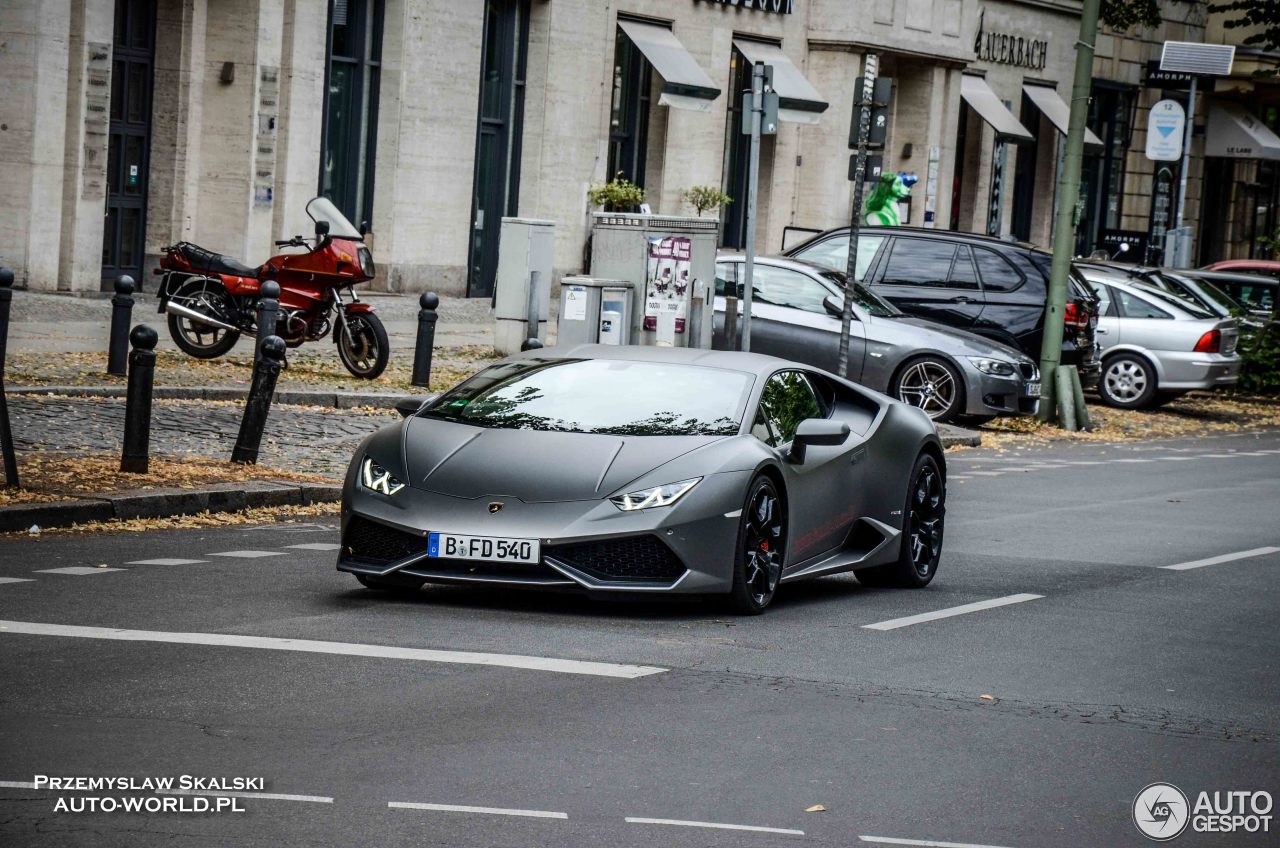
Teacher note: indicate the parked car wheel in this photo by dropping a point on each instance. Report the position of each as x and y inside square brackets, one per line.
[933, 384]
[1128, 381]
[762, 539]
[925, 516]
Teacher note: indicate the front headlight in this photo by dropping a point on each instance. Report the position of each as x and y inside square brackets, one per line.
[997, 367]
[654, 497]
[366, 262]
[378, 479]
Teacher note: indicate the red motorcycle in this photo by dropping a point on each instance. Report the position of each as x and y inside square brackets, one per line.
[211, 299]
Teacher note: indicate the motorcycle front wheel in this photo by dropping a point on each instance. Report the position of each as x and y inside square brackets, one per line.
[203, 341]
[363, 346]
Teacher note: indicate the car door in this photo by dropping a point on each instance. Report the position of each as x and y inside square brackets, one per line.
[930, 278]
[1108, 329]
[1142, 323]
[822, 490]
[1013, 293]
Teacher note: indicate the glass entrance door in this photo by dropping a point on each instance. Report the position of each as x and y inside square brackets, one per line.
[128, 141]
[497, 176]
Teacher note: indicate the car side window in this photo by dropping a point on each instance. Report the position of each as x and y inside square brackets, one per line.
[1106, 300]
[918, 262]
[787, 399]
[784, 287]
[1132, 306]
[725, 275]
[833, 253]
[996, 272]
[962, 273]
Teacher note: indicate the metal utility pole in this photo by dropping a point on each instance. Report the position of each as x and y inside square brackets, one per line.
[756, 104]
[1186, 151]
[1064, 228]
[871, 66]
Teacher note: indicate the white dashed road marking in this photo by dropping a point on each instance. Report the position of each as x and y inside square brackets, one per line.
[1218, 560]
[595, 669]
[75, 569]
[895, 623]
[489, 811]
[247, 554]
[316, 546]
[716, 825]
[16, 784]
[924, 843]
[19, 579]
[166, 561]
[264, 796]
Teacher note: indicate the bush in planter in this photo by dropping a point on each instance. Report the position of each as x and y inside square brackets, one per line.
[1260, 361]
[706, 198]
[617, 195]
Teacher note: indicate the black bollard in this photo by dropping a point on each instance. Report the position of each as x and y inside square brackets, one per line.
[531, 343]
[258, 406]
[426, 343]
[268, 315]
[6, 432]
[121, 315]
[137, 411]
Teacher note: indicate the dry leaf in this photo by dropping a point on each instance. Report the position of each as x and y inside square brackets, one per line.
[987, 697]
[816, 808]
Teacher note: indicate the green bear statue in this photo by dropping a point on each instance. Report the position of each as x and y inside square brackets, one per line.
[882, 206]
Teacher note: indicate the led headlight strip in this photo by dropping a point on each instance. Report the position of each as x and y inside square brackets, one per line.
[655, 497]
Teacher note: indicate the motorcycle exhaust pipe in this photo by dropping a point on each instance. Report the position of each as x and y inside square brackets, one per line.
[189, 313]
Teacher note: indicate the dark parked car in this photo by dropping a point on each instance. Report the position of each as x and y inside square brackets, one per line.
[1195, 287]
[1258, 292]
[989, 286]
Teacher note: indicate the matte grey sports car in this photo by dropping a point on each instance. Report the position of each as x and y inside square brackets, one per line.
[636, 469]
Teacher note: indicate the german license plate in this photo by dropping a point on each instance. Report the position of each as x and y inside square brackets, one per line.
[1031, 389]
[486, 548]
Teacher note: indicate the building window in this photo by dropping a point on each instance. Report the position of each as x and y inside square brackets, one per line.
[351, 106]
[1103, 174]
[629, 115]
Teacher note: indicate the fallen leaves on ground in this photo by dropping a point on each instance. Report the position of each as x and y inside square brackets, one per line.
[261, 515]
[48, 477]
[816, 808]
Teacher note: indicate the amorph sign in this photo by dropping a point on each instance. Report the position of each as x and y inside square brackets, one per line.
[777, 7]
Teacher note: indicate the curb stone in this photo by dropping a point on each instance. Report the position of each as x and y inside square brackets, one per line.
[164, 503]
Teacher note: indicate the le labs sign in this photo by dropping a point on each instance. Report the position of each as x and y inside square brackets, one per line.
[1165, 127]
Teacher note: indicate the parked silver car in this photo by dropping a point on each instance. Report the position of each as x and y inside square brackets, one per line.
[1156, 347]
[949, 373]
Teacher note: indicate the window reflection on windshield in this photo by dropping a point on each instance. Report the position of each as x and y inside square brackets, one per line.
[610, 397]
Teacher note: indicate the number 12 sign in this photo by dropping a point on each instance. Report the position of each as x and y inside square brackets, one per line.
[1165, 127]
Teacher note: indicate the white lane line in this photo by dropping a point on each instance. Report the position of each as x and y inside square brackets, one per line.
[247, 554]
[984, 473]
[716, 825]
[924, 843]
[316, 546]
[1178, 458]
[1201, 563]
[16, 580]
[166, 561]
[596, 669]
[78, 570]
[895, 623]
[265, 796]
[16, 784]
[489, 811]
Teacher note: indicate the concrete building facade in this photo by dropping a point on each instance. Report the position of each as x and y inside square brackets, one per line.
[132, 124]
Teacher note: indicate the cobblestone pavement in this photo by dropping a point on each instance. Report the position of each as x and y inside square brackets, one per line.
[299, 438]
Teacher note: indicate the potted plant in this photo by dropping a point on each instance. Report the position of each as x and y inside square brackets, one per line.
[617, 195]
[705, 198]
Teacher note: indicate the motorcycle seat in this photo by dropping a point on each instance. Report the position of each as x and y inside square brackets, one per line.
[214, 263]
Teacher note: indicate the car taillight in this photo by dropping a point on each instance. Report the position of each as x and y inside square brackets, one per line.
[1210, 342]
[1075, 315]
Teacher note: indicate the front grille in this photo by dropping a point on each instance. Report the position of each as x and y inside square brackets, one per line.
[1028, 370]
[371, 542]
[634, 559]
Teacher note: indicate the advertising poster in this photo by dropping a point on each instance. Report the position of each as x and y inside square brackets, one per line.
[667, 280]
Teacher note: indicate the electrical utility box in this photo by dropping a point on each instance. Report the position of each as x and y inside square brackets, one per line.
[594, 311]
[522, 290]
[671, 264]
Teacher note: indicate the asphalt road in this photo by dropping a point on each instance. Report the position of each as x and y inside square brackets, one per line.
[1030, 723]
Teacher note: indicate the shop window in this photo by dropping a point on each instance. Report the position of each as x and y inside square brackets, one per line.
[1102, 179]
[351, 105]
[629, 113]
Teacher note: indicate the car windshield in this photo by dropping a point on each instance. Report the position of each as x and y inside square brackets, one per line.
[322, 209]
[609, 396]
[872, 303]
[1187, 305]
[1218, 296]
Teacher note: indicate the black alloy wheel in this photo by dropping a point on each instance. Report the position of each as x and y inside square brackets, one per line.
[762, 538]
[924, 517]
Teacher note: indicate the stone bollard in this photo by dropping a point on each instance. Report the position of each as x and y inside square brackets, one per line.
[6, 432]
[258, 406]
[137, 410]
[268, 315]
[121, 315]
[531, 343]
[426, 342]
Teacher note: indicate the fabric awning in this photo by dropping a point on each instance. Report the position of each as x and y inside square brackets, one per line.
[1056, 110]
[984, 101]
[1234, 133]
[798, 100]
[684, 84]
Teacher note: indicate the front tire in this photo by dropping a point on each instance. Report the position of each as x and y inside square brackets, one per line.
[932, 384]
[1128, 382]
[762, 538]
[363, 346]
[923, 521]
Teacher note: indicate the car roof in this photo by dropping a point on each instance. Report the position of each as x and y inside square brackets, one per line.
[730, 360]
[1232, 277]
[1269, 265]
[1153, 294]
[927, 232]
[778, 262]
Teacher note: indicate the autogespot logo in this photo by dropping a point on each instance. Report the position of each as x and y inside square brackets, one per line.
[1160, 811]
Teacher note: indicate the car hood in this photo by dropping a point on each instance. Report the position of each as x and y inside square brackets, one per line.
[955, 341]
[535, 466]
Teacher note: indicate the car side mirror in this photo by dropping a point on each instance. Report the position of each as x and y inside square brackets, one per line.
[407, 406]
[817, 431]
[833, 305]
[322, 229]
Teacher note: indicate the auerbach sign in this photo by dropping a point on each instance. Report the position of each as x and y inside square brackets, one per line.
[1009, 49]
[778, 7]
